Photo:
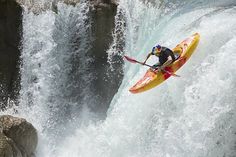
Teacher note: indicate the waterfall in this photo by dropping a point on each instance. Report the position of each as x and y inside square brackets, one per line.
[190, 116]
[56, 71]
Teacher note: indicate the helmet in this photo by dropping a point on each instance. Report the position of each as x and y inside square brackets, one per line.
[156, 49]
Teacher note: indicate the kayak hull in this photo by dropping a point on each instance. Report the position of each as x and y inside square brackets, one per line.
[151, 79]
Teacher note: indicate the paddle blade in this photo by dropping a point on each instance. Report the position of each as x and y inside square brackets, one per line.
[175, 75]
[130, 59]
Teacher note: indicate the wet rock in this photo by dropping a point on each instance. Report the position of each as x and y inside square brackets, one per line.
[10, 28]
[5, 147]
[18, 137]
[38, 6]
[8, 148]
[103, 24]
[104, 4]
[103, 13]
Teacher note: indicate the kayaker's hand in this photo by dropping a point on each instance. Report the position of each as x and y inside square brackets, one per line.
[154, 67]
[159, 68]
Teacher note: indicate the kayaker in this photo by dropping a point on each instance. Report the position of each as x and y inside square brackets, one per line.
[166, 56]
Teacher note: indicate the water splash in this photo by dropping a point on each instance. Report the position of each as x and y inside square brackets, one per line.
[192, 116]
[56, 71]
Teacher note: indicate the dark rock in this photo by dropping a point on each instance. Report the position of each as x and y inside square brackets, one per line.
[103, 25]
[109, 4]
[10, 28]
[5, 147]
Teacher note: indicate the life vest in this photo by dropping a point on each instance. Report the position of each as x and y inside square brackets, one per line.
[164, 54]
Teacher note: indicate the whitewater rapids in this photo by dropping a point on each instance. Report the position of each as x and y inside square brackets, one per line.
[191, 116]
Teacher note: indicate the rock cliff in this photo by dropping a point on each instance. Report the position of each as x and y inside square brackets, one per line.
[102, 12]
[10, 33]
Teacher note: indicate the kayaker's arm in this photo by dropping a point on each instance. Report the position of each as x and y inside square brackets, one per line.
[147, 57]
[168, 62]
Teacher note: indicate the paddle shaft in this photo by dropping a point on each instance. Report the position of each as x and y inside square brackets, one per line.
[144, 64]
[135, 61]
[161, 69]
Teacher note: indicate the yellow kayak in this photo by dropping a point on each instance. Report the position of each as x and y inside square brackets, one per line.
[151, 79]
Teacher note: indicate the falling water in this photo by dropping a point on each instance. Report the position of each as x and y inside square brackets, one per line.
[191, 116]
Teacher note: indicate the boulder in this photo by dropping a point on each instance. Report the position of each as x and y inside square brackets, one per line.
[8, 148]
[21, 136]
[5, 147]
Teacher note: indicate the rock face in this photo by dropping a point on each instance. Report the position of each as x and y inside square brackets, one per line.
[103, 14]
[38, 5]
[103, 25]
[104, 3]
[18, 138]
[10, 28]
[5, 146]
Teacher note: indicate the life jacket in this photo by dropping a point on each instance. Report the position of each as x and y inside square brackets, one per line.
[164, 54]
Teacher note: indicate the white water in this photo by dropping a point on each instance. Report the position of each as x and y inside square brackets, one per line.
[191, 116]
[55, 94]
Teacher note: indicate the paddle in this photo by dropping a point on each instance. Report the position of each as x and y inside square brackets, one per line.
[135, 61]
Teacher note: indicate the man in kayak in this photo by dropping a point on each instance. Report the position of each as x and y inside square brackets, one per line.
[165, 55]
